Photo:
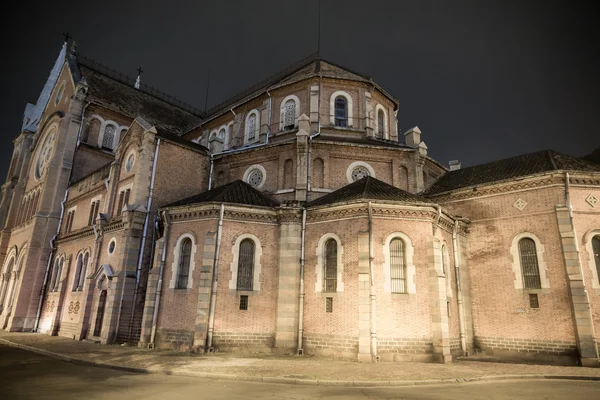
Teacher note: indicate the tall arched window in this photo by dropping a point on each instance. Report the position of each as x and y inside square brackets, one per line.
[108, 139]
[529, 264]
[397, 266]
[596, 250]
[330, 281]
[251, 128]
[78, 266]
[183, 270]
[83, 271]
[5, 284]
[56, 273]
[245, 272]
[380, 123]
[288, 174]
[341, 111]
[289, 115]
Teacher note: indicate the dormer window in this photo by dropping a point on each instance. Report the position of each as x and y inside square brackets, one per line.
[341, 112]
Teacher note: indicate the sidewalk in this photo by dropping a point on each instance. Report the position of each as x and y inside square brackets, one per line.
[310, 370]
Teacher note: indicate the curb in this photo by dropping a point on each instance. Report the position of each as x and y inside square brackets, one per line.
[292, 381]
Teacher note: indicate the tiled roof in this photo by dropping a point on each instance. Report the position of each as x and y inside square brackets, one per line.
[125, 99]
[367, 188]
[236, 192]
[510, 168]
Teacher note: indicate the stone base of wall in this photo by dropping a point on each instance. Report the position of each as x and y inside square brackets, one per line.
[455, 349]
[405, 349]
[331, 346]
[69, 330]
[175, 339]
[244, 342]
[558, 352]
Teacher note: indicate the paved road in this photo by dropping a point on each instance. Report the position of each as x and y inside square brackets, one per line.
[25, 375]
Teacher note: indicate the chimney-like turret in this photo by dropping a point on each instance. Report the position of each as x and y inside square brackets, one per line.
[412, 137]
[454, 165]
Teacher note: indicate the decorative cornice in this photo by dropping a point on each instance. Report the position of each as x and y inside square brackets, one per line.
[75, 235]
[363, 158]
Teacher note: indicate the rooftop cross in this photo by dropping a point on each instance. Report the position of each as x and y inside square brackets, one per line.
[140, 70]
[138, 79]
[67, 36]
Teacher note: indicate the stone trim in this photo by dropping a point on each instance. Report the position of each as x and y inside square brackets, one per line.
[587, 242]
[410, 266]
[322, 342]
[235, 250]
[386, 123]
[252, 168]
[176, 257]
[249, 340]
[447, 267]
[349, 105]
[257, 127]
[358, 164]
[556, 347]
[321, 265]
[516, 265]
[404, 345]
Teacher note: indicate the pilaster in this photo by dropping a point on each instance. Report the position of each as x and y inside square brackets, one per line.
[204, 292]
[302, 158]
[314, 108]
[440, 331]
[369, 125]
[364, 299]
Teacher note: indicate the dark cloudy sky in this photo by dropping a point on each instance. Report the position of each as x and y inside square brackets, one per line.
[483, 80]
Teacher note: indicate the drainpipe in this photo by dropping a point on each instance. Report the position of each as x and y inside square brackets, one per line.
[143, 245]
[213, 297]
[49, 263]
[372, 290]
[270, 111]
[461, 312]
[159, 285]
[301, 299]
[210, 173]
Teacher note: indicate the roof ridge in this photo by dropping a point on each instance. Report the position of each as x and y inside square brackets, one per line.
[551, 157]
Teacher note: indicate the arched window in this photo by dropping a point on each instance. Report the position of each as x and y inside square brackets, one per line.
[245, 272]
[108, 139]
[252, 127]
[288, 174]
[183, 270]
[397, 266]
[330, 281]
[78, 266]
[56, 273]
[341, 111]
[529, 264]
[596, 250]
[380, 123]
[318, 173]
[289, 115]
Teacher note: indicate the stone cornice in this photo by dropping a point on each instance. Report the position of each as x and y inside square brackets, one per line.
[231, 213]
[75, 235]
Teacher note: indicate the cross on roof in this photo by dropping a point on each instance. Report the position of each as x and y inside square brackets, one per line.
[67, 36]
[140, 70]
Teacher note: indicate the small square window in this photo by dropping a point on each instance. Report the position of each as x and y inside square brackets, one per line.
[533, 301]
[243, 302]
[329, 304]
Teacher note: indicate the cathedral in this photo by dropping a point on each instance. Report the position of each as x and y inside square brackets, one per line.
[292, 218]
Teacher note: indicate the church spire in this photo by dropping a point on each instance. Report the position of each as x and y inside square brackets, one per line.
[33, 112]
[138, 80]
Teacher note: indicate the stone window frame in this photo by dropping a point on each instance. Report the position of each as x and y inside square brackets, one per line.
[349, 104]
[113, 239]
[52, 129]
[247, 139]
[252, 168]
[358, 164]
[516, 262]
[58, 271]
[386, 123]
[446, 267]
[80, 270]
[256, 274]
[320, 266]
[70, 217]
[282, 111]
[177, 257]
[409, 249]
[587, 242]
[126, 160]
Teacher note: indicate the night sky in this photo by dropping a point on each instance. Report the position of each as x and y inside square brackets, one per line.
[483, 80]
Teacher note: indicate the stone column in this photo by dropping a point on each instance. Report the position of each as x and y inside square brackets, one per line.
[369, 125]
[302, 158]
[288, 293]
[364, 299]
[580, 303]
[437, 299]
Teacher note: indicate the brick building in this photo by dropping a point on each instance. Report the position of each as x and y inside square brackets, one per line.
[292, 218]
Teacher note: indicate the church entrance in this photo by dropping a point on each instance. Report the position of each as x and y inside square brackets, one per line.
[100, 313]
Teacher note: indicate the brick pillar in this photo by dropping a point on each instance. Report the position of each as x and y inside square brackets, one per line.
[580, 302]
[440, 333]
[204, 291]
[302, 158]
[288, 288]
[364, 299]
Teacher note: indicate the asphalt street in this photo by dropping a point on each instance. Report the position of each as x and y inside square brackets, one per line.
[25, 375]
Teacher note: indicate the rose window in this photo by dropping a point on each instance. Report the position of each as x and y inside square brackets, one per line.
[255, 177]
[44, 156]
[359, 173]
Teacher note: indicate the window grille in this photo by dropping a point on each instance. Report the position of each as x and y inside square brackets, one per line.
[289, 115]
[251, 128]
[243, 302]
[341, 112]
[596, 250]
[359, 172]
[534, 301]
[380, 124]
[184, 264]
[109, 137]
[255, 177]
[329, 304]
[397, 266]
[331, 265]
[245, 265]
[529, 264]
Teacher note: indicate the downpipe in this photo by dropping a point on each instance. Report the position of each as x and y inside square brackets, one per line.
[213, 297]
[301, 299]
[210, 173]
[161, 271]
[461, 312]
